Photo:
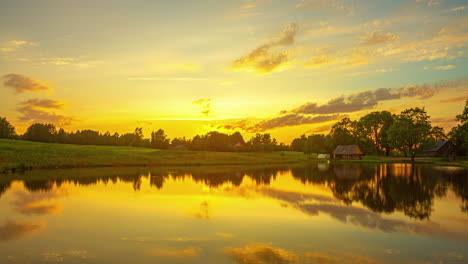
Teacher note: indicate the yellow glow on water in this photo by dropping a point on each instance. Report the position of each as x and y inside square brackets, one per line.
[231, 214]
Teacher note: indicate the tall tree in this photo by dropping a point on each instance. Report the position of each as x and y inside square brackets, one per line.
[6, 129]
[344, 132]
[411, 131]
[159, 140]
[374, 127]
[40, 132]
[298, 144]
[459, 134]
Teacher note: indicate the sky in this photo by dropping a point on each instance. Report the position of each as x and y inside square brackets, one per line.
[253, 66]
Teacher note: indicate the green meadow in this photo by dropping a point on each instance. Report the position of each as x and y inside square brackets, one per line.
[20, 154]
[25, 154]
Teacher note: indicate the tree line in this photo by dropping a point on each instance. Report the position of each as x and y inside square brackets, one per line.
[212, 141]
[407, 133]
[378, 133]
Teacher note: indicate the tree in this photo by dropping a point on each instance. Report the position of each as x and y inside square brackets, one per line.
[41, 133]
[316, 143]
[438, 133]
[459, 134]
[410, 131]
[344, 132]
[298, 144]
[159, 140]
[374, 127]
[6, 129]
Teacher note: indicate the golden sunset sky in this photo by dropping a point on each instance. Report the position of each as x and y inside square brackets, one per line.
[189, 67]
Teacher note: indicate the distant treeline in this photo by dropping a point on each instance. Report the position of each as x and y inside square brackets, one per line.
[212, 141]
[376, 133]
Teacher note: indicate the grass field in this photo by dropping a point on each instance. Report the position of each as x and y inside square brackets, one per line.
[17, 154]
[20, 154]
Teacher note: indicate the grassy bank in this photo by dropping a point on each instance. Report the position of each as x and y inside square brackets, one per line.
[26, 154]
[461, 161]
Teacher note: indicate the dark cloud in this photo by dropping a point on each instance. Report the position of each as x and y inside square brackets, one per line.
[369, 99]
[14, 230]
[376, 38]
[39, 110]
[22, 84]
[292, 119]
[261, 60]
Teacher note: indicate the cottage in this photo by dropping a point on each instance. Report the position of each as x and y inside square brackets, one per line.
[442, 148]
[348, 152]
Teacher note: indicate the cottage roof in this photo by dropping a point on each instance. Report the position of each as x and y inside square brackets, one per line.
[348, 150]
[439, 145]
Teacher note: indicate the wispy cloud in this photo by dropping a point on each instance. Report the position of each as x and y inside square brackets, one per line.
[205, 105]
[22, 84]
[445, 67]
[262, 60]
[13, 45]
[178, 79]
[377, 37]
[458, 8]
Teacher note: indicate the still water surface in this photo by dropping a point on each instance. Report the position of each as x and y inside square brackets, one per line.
[318, 213]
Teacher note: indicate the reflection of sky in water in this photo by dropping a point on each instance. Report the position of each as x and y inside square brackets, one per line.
[311, 214]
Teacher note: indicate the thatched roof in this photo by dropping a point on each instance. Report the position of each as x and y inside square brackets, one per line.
[348, 150]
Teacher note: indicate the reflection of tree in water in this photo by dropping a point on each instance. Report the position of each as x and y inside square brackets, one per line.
[4, 186]
[382, 188]
[386, 187]
[457, 180]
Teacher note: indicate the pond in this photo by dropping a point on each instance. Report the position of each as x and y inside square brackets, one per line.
[314, 213]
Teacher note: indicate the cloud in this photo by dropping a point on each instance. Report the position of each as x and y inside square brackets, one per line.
[260, 253]
[18, 43]
[261, 60]
[180, 79]
[13, 45]
[14, 230]
[291, 119]
[371, 98]
[40, 110]
[376, 38]
[341, 5]
[446, 67]
[457, 99]
[22, 84]
[458, 8]
[36, 203]
[180, 253]
[313, 113]
[205, 105]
